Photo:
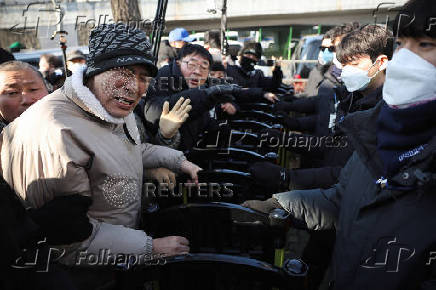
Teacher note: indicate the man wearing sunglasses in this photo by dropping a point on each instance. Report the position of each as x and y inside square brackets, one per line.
[328, 69]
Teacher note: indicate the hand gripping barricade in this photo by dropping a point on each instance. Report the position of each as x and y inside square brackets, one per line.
[232, 247]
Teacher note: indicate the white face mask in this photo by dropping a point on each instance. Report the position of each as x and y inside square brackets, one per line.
[76, 66]
[336, 61]
[355, 79]
[410, 79]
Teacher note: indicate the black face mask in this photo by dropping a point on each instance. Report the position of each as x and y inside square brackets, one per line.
[247, 64]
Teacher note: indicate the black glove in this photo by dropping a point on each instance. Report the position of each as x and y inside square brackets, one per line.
[263, 206]
[288, 122]
[270, 176]
[64, 219]
[282, 106]
[222, 93]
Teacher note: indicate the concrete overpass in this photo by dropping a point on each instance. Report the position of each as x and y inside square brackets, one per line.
[191, 14]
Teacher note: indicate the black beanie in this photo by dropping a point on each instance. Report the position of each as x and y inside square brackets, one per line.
[253, 48]
[116, 45]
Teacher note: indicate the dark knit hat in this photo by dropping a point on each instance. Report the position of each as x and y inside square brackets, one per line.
[253, 48]
[116, 45]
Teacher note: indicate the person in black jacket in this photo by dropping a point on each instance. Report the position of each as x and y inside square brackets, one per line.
[247, 76]
[325, 88]
[186, 77]
[328, 144]
[383, 205]
[371, 59]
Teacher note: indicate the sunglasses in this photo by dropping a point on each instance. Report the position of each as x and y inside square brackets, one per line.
[330, 48]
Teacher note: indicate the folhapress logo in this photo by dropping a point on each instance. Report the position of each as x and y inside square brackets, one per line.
[388, 255]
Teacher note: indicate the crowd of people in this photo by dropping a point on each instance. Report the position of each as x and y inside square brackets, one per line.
[76, 147]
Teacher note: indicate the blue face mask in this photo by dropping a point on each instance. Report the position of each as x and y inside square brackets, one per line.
[325, 57]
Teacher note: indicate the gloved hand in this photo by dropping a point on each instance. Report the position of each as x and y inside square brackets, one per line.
[263, 206]
[64, 219]
[282, 106]
[171, 121]
[161, 175]
[270, 176]
[222, 93]
[288, 122]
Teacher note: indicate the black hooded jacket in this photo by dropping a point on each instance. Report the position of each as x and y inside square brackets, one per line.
[333, 151]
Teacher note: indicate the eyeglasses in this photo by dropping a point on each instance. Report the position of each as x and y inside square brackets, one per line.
[330, 48]
[192, 65]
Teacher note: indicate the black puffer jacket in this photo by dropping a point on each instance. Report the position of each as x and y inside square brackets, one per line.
[385, 235]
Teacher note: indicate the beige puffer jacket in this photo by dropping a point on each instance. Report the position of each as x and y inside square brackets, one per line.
[67, 143]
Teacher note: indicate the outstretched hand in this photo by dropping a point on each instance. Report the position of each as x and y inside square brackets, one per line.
[171, 121]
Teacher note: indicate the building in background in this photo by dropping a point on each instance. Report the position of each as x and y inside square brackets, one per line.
[275, 23]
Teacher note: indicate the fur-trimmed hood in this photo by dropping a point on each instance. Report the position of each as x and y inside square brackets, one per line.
[82, 96]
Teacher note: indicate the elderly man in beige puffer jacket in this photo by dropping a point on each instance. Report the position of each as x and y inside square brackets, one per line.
[83, 139]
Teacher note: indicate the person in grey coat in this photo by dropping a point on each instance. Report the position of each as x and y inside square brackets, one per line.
[86, 142]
